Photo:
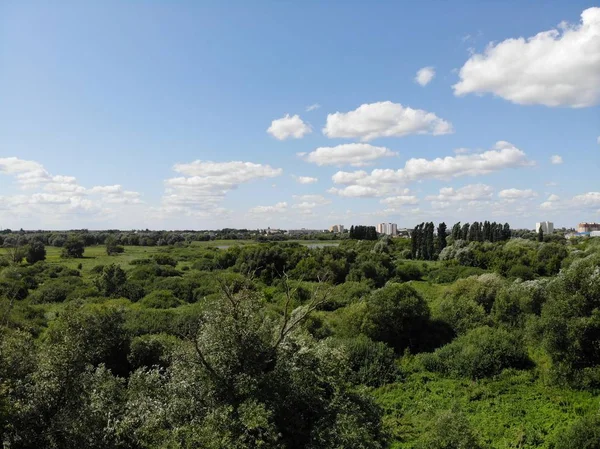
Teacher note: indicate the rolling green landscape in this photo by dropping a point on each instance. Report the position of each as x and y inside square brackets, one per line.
[466, 341]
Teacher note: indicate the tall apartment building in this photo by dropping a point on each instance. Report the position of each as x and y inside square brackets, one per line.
[387, 228]
[546, 226]
[336, 228]
[588, 227]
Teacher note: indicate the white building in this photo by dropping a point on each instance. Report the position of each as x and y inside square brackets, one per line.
[387, 228]
[546, 226]
[336, 228]
[595, 234]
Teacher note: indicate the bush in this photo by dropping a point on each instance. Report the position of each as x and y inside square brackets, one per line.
[521, 272]
[408, 272]
[370, 363]
[151, 350]
[582, 434]
[397, 315]
[73, 247]
[160, 299]
[450, 430]
[482, 352]
[164, 259]
[55, 290]
[36, 252]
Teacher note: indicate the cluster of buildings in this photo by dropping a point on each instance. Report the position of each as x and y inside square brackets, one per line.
[583, 229]
[387, 229]
[337, 229]
[547, 227]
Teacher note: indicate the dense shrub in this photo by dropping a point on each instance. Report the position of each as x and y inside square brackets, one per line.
[482, 352]
[160, 299]
[450, 430]
[582, 434]
[397, 315]
[370, 363]
[55, 290]
[151, 350]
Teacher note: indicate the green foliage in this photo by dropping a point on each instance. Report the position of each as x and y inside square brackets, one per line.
[450, 430]
[150, 350]
[55, 290]
[371, 363]
[160, 299]
[582, 434]
[481, 352]
[111, 280]
[36, 251]
[73, 247]
[112, 246]
[397, 315]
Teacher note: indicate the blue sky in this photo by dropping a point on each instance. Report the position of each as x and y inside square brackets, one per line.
[155, 114]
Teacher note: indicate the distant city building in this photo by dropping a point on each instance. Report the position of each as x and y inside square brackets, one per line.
[595, 234]
[588, 227]
[387, 229]
[336, 228]
[546, 226]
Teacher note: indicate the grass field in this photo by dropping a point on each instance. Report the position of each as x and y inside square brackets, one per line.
[96, 255]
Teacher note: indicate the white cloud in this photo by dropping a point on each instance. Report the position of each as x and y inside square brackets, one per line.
[598, 140]
[288, 126]
[588, 200]
[355, 154]
[553, 197]
[206, 183]
[462, 150]
[471, 192]
[267, 210]
[398, 201]
[313, 107]
[558, 67]
[14, 165]
[305, 179]
[513, 194]
[556, 159]
[387, 181]
[425, 75]
[319, 200]
[384, 119]
[355, 191]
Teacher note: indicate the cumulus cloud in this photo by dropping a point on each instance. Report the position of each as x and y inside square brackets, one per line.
[313, 107]
[513, 194]
[504, 155]
[305, 179]
[58, 199]
[425, 75]
[268, 210]
[355, 154]
[319, 200]
[288, 126]
[584, 201]
[558, 67]
[205, 183]
[556, 159]
[396, 202]
[471, 192]
[354, 191]
[384, 119]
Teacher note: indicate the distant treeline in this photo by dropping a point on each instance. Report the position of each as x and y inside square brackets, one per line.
[427, 244]
[147, 237]
[363, 232]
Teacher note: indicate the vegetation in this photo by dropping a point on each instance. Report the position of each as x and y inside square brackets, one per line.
[438, 341]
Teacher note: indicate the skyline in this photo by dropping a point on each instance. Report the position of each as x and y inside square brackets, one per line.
[188, 116]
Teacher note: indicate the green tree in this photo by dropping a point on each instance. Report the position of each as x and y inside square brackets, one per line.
[112, 246]
[397, 315]
[111, 280]
[36, 251]
[441, 237]
[73, 247]
[540, 236]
